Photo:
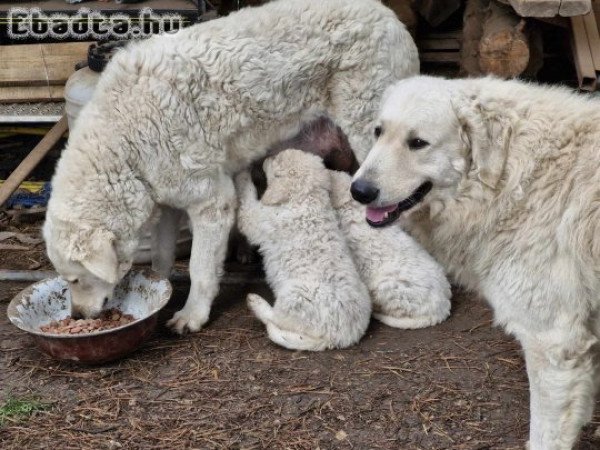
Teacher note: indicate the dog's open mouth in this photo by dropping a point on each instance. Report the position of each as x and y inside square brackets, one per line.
[380, 217]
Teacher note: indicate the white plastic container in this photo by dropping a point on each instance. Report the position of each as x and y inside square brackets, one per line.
[78, 91]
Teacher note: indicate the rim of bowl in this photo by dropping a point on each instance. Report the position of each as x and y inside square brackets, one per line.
[12, 312]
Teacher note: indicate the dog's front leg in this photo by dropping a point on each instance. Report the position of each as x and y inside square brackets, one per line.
[164, 240]
[211, 223]
[562, 389]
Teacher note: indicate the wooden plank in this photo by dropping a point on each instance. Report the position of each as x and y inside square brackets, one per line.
[570, 8]
[32, 159]
[19, 73]
[40, 64]
[586, 72]
[68, 50]
[473, 19]
[20, 94]
[591, 30]
[31, 52]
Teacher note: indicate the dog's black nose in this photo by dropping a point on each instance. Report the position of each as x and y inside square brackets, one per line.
[363, 191]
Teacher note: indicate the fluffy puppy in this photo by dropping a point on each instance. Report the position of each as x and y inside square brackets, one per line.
[321, 303]
[408, 287]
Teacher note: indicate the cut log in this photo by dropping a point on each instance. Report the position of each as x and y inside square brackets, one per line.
[472, 32]
[504, 45]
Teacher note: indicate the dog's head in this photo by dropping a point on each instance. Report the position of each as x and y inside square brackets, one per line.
[430, 135]
[294, 175]
[87, 260]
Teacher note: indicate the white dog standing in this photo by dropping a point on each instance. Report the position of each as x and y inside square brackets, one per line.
[321, 302]
[174, 116]
[500, 181]
[408, 287]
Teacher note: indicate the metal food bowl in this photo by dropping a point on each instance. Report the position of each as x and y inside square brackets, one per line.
[141, 293]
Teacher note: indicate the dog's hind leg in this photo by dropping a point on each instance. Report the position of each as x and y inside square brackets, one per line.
[287, 338]
[164, 240]
[211, 223]
[562, 388]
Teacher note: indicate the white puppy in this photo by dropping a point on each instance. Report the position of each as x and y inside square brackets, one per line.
[175, 116]
[500, 181]
[321, 303]
[408, 288]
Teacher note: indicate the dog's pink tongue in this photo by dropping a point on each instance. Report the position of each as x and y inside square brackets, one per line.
[378, 214]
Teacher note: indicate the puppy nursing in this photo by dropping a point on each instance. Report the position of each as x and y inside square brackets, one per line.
[321, 302]
[408, 288]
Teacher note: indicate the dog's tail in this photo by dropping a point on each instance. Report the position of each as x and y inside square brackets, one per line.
[279, 332]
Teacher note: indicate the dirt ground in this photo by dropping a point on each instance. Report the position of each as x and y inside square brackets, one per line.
[460, 385]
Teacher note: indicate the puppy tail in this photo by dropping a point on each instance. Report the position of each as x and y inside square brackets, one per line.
[261, 308]
[279, 333]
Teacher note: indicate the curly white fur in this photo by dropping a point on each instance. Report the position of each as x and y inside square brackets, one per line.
[408, 287]
[321, 302]
[515, 214]
[174, 116]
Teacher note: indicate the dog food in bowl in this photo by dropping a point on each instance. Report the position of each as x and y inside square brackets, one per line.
[111, 318]
[43, 311]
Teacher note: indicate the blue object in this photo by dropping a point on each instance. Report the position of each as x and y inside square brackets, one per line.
[25, 199]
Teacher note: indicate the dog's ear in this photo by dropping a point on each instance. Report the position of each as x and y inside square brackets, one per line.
[276, 194]
[95, 251]
[486, 134]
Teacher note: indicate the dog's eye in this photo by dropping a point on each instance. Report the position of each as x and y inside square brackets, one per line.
[75, 281]
[417, 144]
[378, 131]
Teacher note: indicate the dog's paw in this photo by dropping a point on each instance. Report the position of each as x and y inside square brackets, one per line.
[184, 322]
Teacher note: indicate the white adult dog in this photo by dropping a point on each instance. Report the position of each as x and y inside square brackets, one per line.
[408, 287]
[173, 117]
[500, 181]
[321, 302]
